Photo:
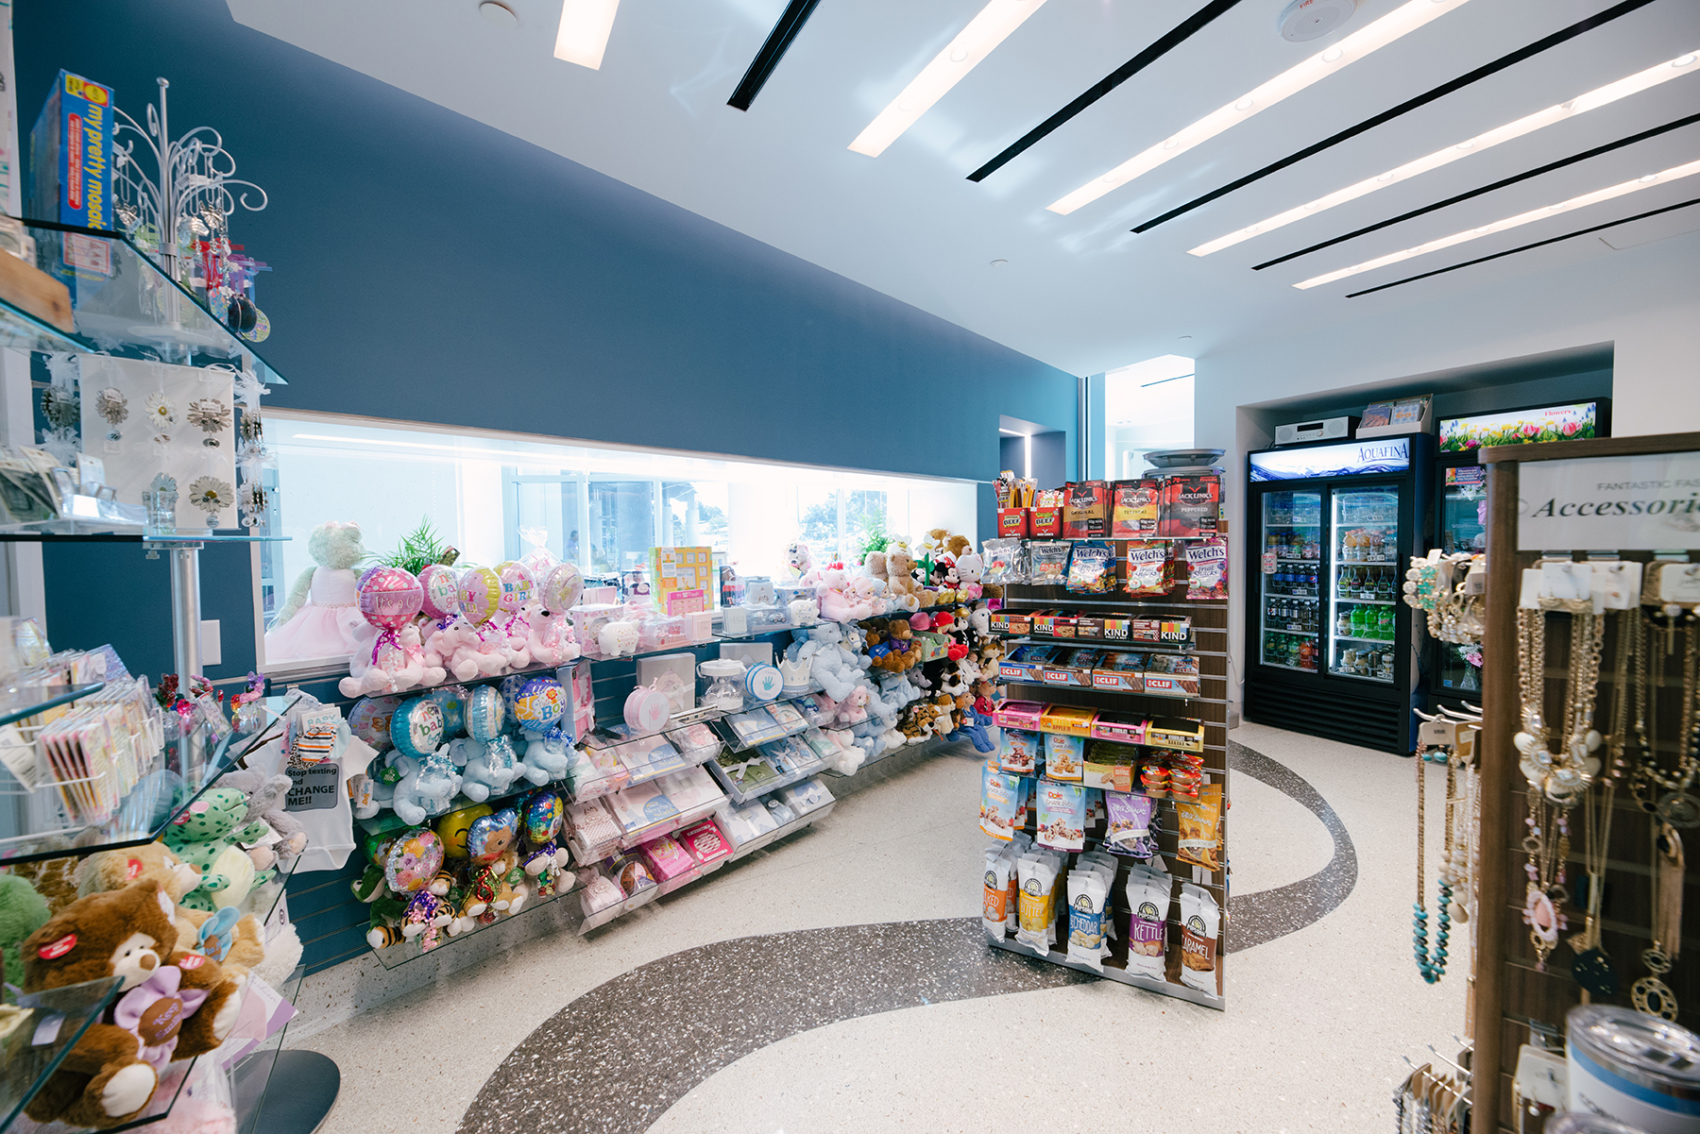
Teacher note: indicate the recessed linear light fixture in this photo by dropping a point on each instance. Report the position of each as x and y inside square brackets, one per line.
[585, 25]
[1610, 93]
[1675, 173]
[972, 44]
[1403, 20]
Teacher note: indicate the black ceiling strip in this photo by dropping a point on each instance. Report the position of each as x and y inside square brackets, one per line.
[1500, 184]
[1174, 38]
[791, 21]
[1444, 89]
[1527, 247]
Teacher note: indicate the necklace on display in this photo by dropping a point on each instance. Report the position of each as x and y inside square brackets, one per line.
[1662, 793]
[1547, 837]
[1651, 994]
[1432, 968]
[1592, 966]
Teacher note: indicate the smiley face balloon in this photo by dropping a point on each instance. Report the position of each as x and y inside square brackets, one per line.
[454, 827]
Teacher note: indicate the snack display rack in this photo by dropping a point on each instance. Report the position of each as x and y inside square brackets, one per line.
[1203, 699]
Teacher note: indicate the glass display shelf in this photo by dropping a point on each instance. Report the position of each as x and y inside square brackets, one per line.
[616, 910]
[123, 304]
[26, 702]
[34, 1047]
[251, 1072]
[164, 791]
[738, 791]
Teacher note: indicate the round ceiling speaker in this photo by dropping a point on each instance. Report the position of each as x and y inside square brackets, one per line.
[498, 13]
[1312, 19]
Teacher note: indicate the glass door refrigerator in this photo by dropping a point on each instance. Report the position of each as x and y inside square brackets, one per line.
[1455, 670]
[1331, 650]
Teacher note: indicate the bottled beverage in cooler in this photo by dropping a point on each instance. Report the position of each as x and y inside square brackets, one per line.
[1358, 622]
[1387, 625]
[1343, 622]
[1307, 655]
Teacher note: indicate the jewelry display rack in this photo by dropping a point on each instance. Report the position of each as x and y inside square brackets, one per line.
[1209, 621]
[1517, 999]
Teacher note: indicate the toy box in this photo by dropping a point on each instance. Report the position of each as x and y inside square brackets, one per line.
[1067, 719]
[578, 716]
[1019, 714]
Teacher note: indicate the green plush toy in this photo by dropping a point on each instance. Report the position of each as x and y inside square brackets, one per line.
[22, 912]
[205, 836]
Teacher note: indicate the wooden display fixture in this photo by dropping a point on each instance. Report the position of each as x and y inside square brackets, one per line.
[1210, 646]
[1510, 991]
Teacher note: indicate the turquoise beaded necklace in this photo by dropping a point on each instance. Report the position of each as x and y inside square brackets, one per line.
[1432, 967]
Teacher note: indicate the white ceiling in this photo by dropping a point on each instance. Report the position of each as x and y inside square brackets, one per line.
[1080, 292]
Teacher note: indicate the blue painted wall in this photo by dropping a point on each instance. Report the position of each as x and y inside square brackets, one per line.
[431, 268]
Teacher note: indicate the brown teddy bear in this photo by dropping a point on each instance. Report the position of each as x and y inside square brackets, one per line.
[173, 1004]
[902, 591]
[238, 949]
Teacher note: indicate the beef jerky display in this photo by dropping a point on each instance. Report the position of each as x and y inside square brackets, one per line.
[1107, 800]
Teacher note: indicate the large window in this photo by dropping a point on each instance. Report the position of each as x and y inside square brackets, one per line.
[1147, 407]
[492, 496]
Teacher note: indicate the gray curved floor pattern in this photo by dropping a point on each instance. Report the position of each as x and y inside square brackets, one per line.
[615, 1059]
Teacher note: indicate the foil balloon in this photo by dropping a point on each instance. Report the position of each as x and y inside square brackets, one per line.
[539, 703]
[485, 714]
[562, 588]
[456, 825]
[518, 585]
[414, 859]
[370, 720]
[544, 816]
[452, 700]
[490, 837]
[480, 595]
[417, 727]
[442, 593]
[388, 598]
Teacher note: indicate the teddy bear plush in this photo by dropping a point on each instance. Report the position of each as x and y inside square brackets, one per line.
[799, 560]
[205, 836]
[902, 592]
[173, 1004]
[391, 667]
[320, 618]
[427, 787]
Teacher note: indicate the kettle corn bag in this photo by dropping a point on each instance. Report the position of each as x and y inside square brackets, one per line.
[1201, 919]
[1148, 932]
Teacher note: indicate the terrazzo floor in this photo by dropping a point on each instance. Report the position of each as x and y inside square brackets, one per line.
[837, 983]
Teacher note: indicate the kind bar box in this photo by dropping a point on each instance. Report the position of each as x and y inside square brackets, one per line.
[1190, 507]
[1133, 509]
[1086, 514]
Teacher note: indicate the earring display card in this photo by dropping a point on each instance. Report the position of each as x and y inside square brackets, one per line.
[145, 418]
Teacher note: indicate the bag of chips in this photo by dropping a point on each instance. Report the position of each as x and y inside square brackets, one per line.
[1148, 567]
[1047, 563]
[1207, 569]
[996, 894]
[1148, 924]
[1129, 828]
[1201, 920]
[1200, 823]
[1091, 568]
[1003, 561]
[1036, 911]
[1087, 892]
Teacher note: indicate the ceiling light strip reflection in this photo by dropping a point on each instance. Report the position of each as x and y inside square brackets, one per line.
[1526, 247]
[1177, 35]
[1610, 192]
[1398, 23]
[1458, 151]
[583, 35]
[1500, 184]
[972, 44]
[1561, 36]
